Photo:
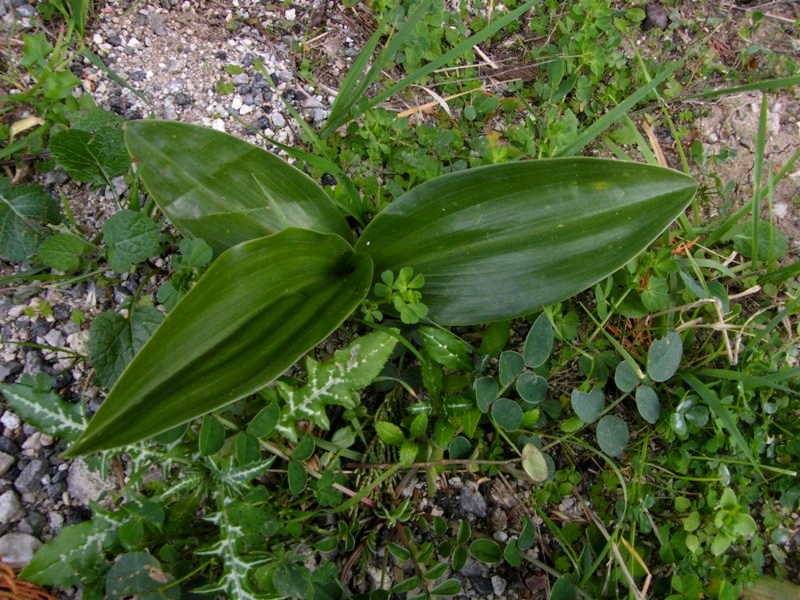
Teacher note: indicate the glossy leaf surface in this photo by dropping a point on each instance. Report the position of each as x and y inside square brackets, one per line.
[259, 308]
[224, 190]
[500, 241]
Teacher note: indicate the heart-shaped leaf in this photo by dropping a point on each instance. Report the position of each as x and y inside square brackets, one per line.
[588, 406]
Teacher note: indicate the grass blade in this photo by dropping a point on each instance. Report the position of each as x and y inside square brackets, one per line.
[767, 84]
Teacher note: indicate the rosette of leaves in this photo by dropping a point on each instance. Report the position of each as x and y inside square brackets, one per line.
[492, 243]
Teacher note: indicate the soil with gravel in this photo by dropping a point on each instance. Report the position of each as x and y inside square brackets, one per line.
[231, 66]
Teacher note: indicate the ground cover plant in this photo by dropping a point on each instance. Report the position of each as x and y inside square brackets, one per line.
[648, 424]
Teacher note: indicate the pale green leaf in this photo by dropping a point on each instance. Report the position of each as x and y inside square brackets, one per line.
[664, 357]
[647, 403]
[131, 238]
[539, 342]
[389, 433]
[612, 435]
[534, 463]
[588, 405]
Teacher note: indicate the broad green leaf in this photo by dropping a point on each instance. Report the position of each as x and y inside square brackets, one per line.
[265, 421]
[114, 340]
[588, 405]
[140, 575]
[258, 308]
[338, 381]
[63, 252]
[534, 463]
[131, 237]
[217, 187]
[304, 449]
[445, 348]
[539, 342]
[648, 404]
[612, 435]
[664, 357]
[92, 157]
[500, 241]
[449, 587]
[25, 212]
[38, 405]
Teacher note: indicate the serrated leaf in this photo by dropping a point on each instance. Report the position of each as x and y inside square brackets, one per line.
[612, 435]
[338, 381]
[445, 348]
[44, 409]
[534, 463]
[389, 433]
[647, 403]
[131, 238]
[71, 555]
[92, 157]
[139, 574]
[62, 252]
[539, 342]
[237, 192]
[259, 307]
[664, 357]
[500, 241]
[25, 212]
[114, 340]
[588, 406]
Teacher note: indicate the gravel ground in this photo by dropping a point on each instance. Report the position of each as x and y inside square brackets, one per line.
[177, 58]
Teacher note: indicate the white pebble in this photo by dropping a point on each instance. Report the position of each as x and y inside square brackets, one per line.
[10, 420]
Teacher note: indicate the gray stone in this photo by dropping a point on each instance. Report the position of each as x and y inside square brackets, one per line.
[17, 549]
[10, 420]
[29, 481]
[10, 508]
[8, 446]
[26, 10]
[472, 501]
[8, 369]
[278, 120]
[83, 485]
[6, 461]
[34, 523]
[499, 586]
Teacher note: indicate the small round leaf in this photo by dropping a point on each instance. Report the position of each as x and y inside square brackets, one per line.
[511, 365]
[664, 357]
[486, 551]
[531, 387]
[485, 393]
[648, 404]
[460, 448]
[625, 377]
[612, 435]
[588, 406]
[539, 342]
[507, 414]
[534, 463]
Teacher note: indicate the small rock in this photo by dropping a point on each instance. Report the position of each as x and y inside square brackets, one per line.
[472, 501]
[236, 103]
[278, 120]
[33, 523]
[482, 586]
[240, 78]
[6, 460]
[83, 485]
[54, 338]
[8, 369]
[499, 585]
[656, 16]
[26, 10]
[8, 447]
[182, 99]
[10, 420]
[29, 481]
[10, 508]
[62, 312]
[17, 549]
